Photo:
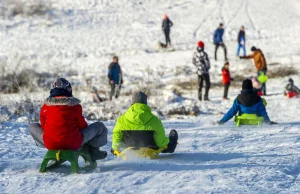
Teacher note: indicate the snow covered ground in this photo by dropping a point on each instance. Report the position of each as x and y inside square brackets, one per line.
[77, 39]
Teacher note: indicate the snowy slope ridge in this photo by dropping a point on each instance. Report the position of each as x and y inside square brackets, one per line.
[77, 39]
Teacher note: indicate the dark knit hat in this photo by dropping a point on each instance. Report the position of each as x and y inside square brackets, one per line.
[253, 48]
[61, 87]
[247, 85]
[291, 80]
[139, 97]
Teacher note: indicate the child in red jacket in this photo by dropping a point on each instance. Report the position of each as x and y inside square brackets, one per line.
[226, 79]
[63, 126]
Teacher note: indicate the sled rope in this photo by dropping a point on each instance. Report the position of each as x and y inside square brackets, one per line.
[57, 155]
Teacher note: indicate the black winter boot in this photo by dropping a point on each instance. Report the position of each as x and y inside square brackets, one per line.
[200, 96]
[173, 137]
[96, 154]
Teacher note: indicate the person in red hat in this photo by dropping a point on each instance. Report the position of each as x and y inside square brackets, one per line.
[202, 63]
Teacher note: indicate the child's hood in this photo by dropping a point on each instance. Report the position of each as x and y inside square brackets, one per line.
[62, 101]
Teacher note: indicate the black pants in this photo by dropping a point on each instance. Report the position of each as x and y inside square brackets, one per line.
[226, 88]
[216, 50]
[263, 86]
[201, 79]
[167, 36]
[115, 90]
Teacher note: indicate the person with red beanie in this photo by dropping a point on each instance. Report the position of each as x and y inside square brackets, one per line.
[202, 63]
[226, 79]
[63, 126]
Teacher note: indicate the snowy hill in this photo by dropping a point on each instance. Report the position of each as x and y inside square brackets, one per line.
[77, 39]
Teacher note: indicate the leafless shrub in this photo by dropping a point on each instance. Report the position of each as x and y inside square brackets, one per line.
[182, 110]
[11, 8]
[282, 72]
[13, 83]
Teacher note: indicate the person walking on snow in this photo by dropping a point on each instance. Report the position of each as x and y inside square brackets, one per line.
[260, 64]
[62, 125]
[226, 80]
[201, 61]
[241, 42]
[138, 127]
[166, 27]
[218, 41]
[115, 78]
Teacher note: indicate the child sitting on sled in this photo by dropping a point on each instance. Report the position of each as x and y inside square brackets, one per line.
[139, 128]
[291, 90]
[62, 125]
[247, 102]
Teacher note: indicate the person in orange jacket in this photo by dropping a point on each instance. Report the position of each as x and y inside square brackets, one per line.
[260, 63]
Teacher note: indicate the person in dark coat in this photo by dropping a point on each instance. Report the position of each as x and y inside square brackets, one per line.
[291, 90]
[241, 41]
[115, 78]
[166, 26]
[218, 40]
[201, 61]
[247, 102]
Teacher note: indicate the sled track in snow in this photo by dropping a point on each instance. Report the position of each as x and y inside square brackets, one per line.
[236, 13]
[202, 23]
[249, 16]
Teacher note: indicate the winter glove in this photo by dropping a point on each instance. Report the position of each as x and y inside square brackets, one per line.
[231, 79]
[273, 123]
[220, 123]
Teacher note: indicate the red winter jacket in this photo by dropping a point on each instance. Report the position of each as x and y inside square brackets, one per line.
[226, 76]
[61, 119]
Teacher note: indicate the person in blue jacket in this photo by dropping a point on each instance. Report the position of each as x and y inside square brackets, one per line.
[218, 41]
[248, 102]
[241, 41]
[115, 78]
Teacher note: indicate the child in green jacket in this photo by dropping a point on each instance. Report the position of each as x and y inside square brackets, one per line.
[138, 127]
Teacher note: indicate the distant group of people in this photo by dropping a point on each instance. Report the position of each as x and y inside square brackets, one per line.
[202, 63]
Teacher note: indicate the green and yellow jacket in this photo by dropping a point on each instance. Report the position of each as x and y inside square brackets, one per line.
[138, 127]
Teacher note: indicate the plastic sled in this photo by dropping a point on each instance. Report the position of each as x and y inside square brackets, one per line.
[291, 94]
[262, 78]
[142, 152]
[248, 119]
[61, 156]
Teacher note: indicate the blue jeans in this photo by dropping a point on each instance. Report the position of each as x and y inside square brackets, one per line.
[239, 48]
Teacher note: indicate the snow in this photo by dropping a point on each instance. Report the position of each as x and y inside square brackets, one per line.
[77, 39]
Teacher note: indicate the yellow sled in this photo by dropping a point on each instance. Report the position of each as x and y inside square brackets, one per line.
[248, 119]
[142, 152]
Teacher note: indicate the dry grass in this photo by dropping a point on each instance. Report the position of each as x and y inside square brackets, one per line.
[282, 72]
[11, 8]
